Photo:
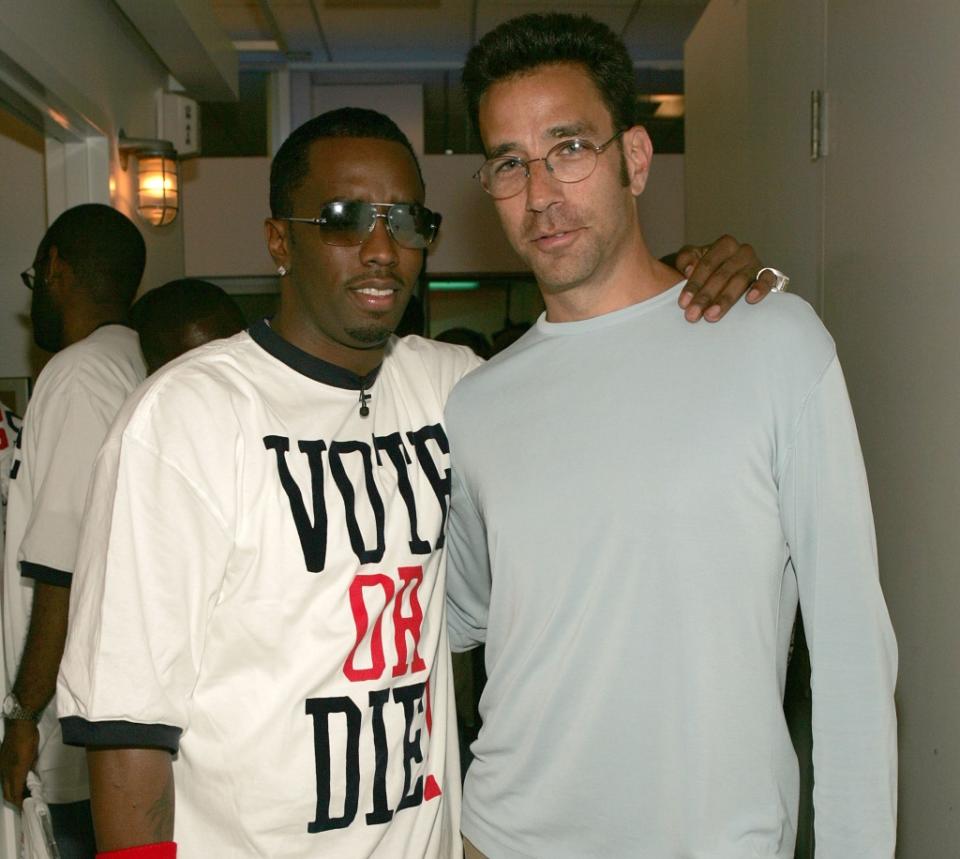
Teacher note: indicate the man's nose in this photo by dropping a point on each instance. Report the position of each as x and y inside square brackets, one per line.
[543, 188]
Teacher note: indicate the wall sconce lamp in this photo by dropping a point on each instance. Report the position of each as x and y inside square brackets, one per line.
[158, 178]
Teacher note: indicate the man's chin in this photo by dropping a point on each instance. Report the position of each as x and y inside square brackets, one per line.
[556, 275]
[48, 342]
[369, 336]
[553, 282]
[46, 324]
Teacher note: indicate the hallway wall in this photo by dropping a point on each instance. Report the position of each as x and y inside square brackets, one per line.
[892, 303]
[21, 225]
[872, 229]
[85, 55]
[217, 245]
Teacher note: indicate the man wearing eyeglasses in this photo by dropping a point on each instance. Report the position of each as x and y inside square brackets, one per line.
[262, 591]
[84, 276]
[631, 551]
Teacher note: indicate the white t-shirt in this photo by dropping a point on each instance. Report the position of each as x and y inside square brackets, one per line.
[9, 431]
[76, 398]
[263, 592]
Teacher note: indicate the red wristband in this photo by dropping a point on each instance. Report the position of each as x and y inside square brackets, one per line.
[160, 850]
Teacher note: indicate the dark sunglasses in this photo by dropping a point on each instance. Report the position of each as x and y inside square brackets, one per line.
[346, 223]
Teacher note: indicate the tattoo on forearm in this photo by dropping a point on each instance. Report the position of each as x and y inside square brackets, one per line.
[160, 813]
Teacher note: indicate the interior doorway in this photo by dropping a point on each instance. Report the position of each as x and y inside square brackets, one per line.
[23, 219]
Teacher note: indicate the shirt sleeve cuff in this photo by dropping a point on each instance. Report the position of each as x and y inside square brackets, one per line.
[78, 731]
[47, 575]
[160, 850]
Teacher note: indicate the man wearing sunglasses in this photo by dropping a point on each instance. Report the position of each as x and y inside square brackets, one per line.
[262, 591]
[631, 551]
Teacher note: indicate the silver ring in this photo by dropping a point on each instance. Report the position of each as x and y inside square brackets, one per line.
[782, 280]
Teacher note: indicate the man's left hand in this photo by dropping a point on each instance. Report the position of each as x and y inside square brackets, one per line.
[21, 740]
[717, 277]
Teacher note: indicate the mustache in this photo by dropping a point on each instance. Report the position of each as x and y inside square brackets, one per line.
[538, 225]
[375, 274]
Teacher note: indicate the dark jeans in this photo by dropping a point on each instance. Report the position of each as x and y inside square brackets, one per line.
[73, 829]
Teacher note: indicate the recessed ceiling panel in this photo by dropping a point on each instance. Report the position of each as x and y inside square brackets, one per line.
[492, 13]
[382, 4]
[297, 24]
[440, 31]
[242, 20]
[405, 33]
[657, 32]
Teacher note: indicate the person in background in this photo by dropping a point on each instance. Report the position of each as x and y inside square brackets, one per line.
[413, 320]
[182, 315]
[631, 550]
[9, 432]
[508, 335]
[84, 276]
[473, 340]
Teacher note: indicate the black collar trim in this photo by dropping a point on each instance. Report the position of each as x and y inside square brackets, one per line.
[306, 364]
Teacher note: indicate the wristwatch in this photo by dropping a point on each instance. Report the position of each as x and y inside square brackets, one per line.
[13, 709]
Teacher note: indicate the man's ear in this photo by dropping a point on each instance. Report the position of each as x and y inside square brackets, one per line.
[637, 153]
[278, 238]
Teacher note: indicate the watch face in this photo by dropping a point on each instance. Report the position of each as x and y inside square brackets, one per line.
[13, 709]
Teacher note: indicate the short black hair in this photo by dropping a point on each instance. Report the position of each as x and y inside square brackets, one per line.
[414, 320]
[291, 163]
[473, 340]
[181, 315]
[530, 41]
[103, 247]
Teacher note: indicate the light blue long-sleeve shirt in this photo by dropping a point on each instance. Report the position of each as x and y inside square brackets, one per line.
[631, 544]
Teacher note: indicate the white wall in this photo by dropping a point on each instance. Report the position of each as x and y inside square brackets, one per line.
[716, 71]
[662, 206]
[224, 203]
[891, 301]
[886, 220]
[21, 225]
[92, 57]
[86, 55]
[226, 200]
[749, 70]
[403, 103]
[470, 238]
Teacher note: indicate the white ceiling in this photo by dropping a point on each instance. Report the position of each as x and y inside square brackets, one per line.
[432, 33]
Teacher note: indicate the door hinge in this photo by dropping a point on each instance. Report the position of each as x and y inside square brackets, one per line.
[818, 124]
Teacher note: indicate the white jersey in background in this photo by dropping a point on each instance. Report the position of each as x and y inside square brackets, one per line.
[75, 400]
[263, 592]
[9, 431]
